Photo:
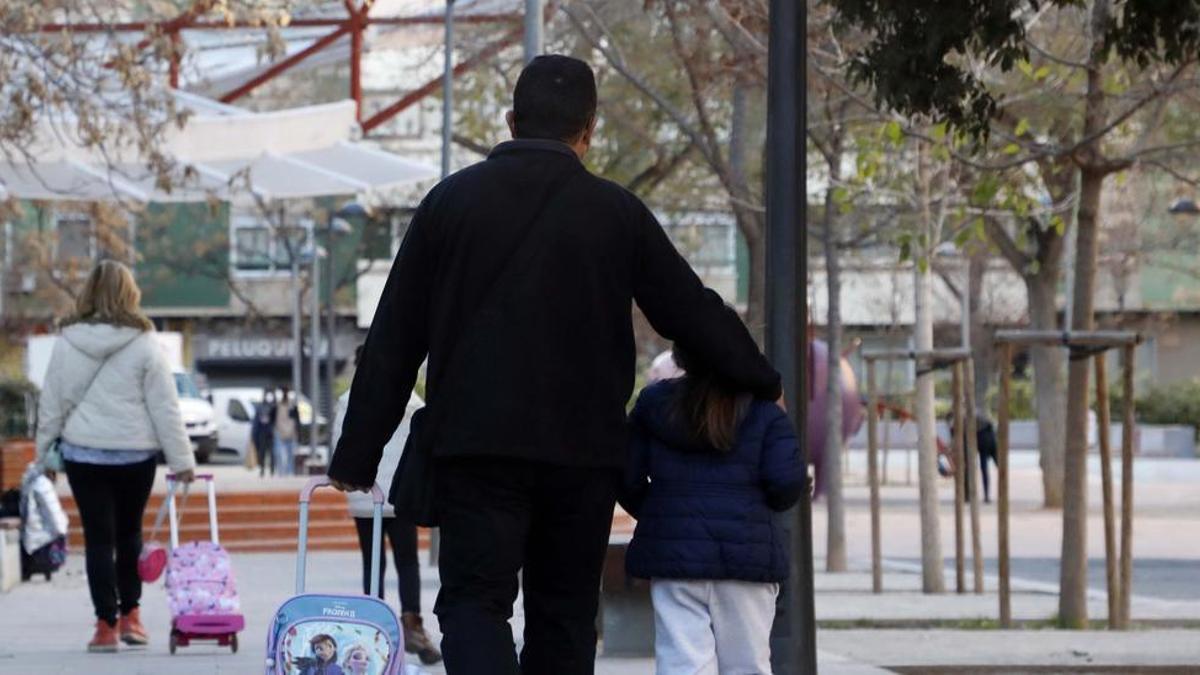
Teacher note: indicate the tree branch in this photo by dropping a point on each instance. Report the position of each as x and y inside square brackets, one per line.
[1008, 248]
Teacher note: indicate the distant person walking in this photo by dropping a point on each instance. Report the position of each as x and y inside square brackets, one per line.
[516, 279]
[285, 430]
[709, 468]
[985, 442]
[262, 432]
[399, 532]
[107, 408]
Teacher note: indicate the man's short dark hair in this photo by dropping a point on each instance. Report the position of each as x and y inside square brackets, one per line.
[555, 98]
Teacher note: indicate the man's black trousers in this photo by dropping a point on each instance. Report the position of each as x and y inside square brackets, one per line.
[501, 517]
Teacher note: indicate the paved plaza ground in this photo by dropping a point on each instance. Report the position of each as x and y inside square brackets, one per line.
[902, 630]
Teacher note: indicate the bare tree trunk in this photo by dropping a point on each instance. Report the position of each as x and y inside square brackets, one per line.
[933, 580]
[750, 223]
[1072, 599]
[981, 338]
[756, 297]
[835, 551]
[1050, 393]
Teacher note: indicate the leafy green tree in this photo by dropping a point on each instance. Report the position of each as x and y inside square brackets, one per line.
[939, 59]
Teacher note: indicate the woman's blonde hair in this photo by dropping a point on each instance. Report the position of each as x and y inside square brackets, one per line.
[111, 295]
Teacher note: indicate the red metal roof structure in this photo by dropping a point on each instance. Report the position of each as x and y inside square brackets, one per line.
[353, 23]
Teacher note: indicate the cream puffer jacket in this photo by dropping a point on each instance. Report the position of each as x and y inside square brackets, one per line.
[360, 503]
[131, 405]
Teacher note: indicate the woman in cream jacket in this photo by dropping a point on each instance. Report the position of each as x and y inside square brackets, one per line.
[108, 407]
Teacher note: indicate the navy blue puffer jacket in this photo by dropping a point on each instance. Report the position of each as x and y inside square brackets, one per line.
[705, 514]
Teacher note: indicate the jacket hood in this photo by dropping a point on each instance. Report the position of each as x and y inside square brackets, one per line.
[99, 340]
[658, 415]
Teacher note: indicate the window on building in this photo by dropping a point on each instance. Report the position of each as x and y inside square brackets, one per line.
[704, 242]
[259, 248]
[75, 237]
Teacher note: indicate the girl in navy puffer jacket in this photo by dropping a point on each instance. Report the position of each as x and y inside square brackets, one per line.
[709, 471]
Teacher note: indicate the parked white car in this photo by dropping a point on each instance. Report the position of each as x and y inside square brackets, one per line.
[235, 408]
[198, 417]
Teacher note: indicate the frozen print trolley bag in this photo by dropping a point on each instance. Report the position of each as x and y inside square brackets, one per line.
[200, 586]
[327, 634]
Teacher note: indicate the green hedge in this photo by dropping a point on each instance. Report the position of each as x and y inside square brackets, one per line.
[1021, 402]
[1177, 403]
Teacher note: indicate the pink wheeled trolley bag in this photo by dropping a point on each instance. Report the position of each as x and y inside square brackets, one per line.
[321, 632]
[200, 585]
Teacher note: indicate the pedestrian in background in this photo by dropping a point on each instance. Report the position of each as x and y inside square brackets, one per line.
[262, 432]
[985, 443]
[709, 468]
[399, 532]
[285, 430]
[107, 408]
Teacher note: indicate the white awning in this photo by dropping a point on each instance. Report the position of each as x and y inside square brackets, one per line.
[288, 154]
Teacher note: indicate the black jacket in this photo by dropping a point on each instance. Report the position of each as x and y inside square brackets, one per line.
[547, 373]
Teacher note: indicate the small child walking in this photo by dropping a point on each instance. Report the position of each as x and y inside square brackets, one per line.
[710, 469]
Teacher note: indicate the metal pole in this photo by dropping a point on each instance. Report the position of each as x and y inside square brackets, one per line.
[330, 327]
[448, 89]
[1002, 483]
[435, 539]
[793, 636]
[533, 29]
[356, 50]
[297, 309]
[314, 372]
[873, 478]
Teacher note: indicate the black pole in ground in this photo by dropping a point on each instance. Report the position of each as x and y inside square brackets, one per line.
[793, 639]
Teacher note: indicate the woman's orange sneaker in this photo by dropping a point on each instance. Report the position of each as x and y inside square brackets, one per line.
[132, 630]
[105, 639]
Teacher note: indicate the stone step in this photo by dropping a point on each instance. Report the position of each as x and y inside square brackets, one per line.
[250, 521]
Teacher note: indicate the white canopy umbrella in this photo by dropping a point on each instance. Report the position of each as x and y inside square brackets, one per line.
[296, 153]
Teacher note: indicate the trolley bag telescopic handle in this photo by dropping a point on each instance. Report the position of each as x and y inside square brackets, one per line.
[173, 515]
[376, 532]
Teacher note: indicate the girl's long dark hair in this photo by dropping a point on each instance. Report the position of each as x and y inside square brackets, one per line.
[710, 409]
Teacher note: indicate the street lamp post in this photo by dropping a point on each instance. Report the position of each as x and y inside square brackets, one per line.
[533, 29]
[297, 304]
[793, 638]
[313, 254]
[335, 225]
[448, 89]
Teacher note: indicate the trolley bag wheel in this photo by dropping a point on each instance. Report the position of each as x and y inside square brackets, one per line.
[233, 643]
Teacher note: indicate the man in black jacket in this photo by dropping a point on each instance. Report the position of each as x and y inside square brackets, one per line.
[532, 380]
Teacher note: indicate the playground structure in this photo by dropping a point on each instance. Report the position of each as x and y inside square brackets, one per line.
[1080, 345]
[963, 399]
